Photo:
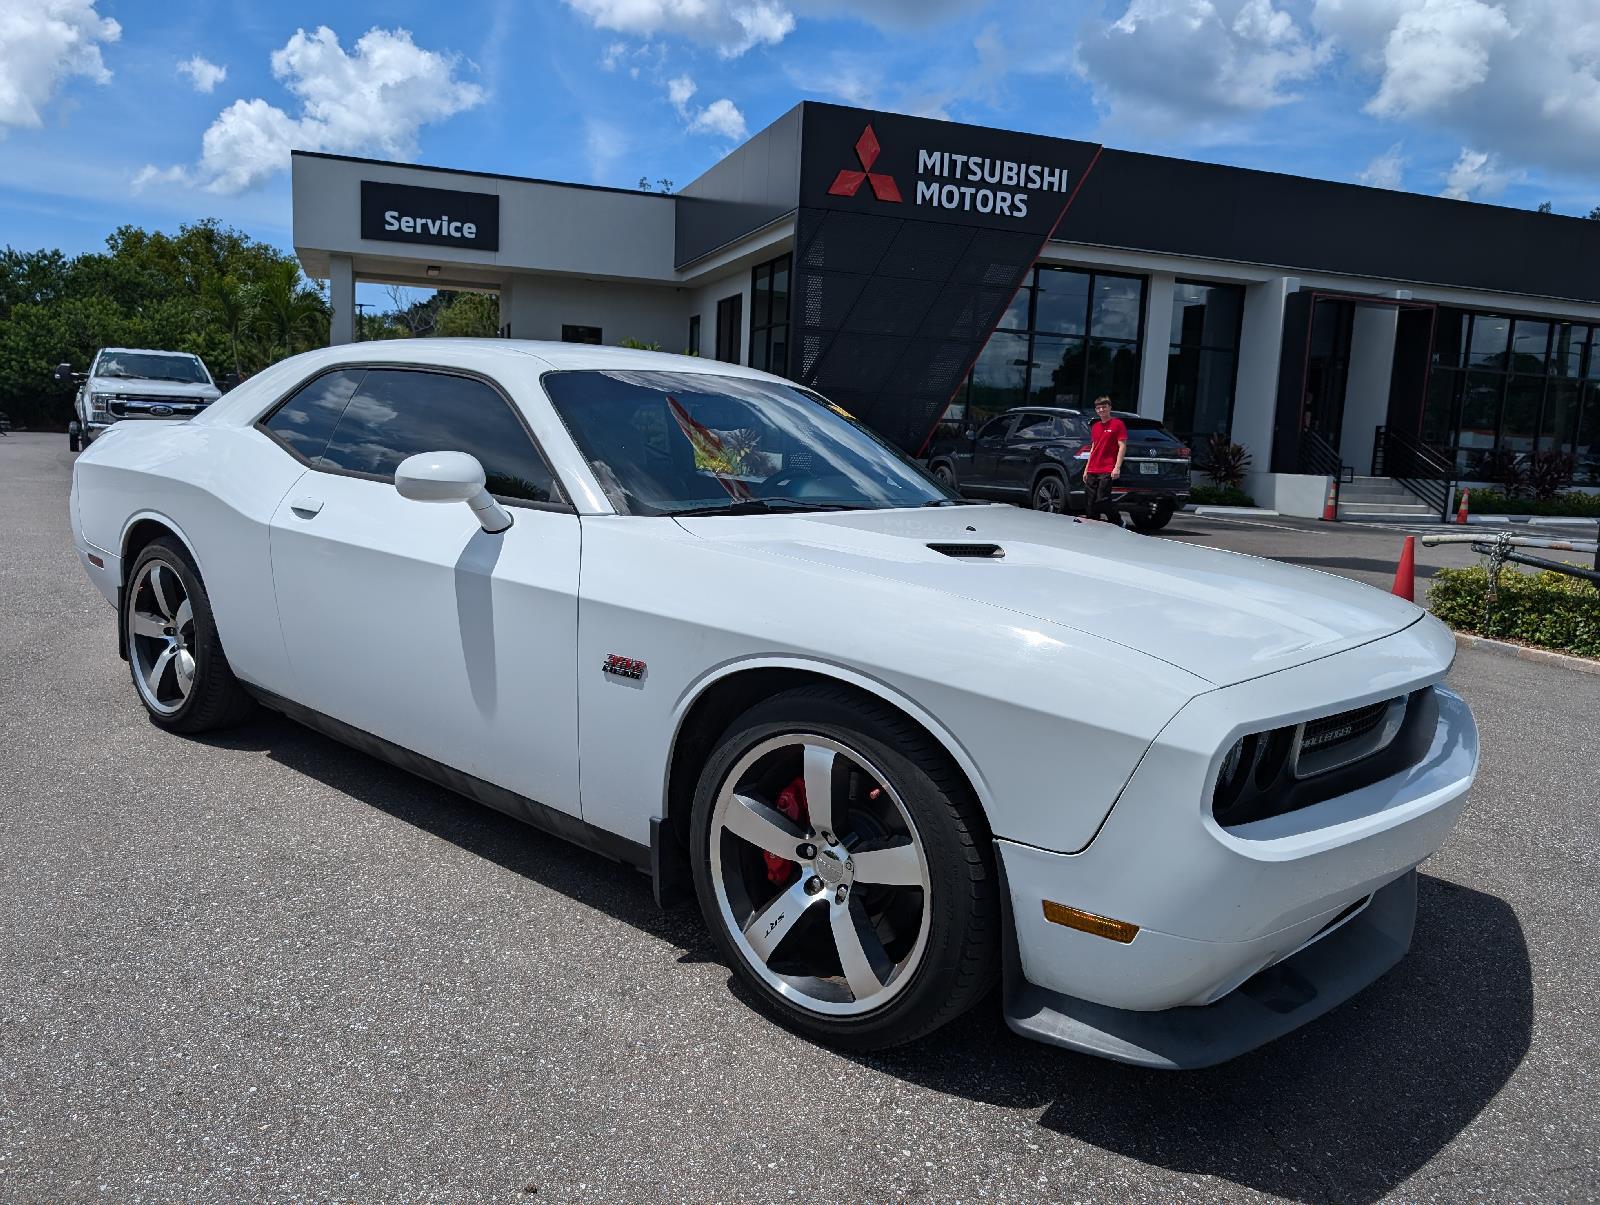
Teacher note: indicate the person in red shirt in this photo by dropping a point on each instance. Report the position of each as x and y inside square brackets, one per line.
[1108, 444]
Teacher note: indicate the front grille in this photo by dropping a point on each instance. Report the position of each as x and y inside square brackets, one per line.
[137, 406]
[1280, 771]
[1346, 726]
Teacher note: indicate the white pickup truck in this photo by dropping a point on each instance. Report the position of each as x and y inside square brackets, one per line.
[136, 383]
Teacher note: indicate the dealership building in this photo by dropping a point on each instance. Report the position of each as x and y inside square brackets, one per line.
[924, 272]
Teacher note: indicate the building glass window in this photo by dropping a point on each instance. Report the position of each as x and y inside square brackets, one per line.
[1202, 359]
[1505, 388]
[1067, 337]
[580, 334]
[730, 328]
[694, 335]
[769, 316]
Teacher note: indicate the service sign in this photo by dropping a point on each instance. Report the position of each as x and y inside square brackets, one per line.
[914, 167]
[441, 217]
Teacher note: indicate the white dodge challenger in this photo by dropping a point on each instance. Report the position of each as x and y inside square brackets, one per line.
[901, 747]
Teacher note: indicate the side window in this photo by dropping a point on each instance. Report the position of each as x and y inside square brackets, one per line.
[1036, 426]
[306, 420]
[995, 427]
[399, 412]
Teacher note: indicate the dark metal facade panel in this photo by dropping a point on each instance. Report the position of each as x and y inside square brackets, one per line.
[1177, 207]
[755, 185]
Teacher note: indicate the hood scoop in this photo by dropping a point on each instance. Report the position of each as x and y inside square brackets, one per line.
[970, 552]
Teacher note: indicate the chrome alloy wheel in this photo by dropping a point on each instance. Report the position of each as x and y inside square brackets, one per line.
[835, 919]
[161, 637]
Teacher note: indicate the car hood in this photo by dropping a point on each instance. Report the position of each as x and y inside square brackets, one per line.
[1222, 616]
[145, 387]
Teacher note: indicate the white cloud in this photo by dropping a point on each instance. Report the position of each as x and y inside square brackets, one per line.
[1474, 176]
[1436, 50]
[374, 101]
[203, 74]
[603, 145]
[679, 91]
[151, 174]
[43, 43]
[612, 56]
[720, 117]
[1387, 170]
[1192, 61]
[730, 26]
[1517, 77]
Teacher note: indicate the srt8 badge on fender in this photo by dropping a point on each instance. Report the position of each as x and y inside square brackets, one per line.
[623, 667]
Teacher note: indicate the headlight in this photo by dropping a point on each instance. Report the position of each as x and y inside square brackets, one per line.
[100, 407]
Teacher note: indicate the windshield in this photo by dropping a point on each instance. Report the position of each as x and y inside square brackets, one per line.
[684, 442]
[152, 366]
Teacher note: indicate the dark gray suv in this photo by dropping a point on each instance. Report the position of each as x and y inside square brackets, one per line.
[1035, 455]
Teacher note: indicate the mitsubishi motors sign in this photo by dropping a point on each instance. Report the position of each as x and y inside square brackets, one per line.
[941, 171]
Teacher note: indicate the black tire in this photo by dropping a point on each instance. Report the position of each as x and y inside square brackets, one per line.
[1051, 494]
[960, 959]
[74, 442]
[1152, 520]
[945, 475]
[215, 698]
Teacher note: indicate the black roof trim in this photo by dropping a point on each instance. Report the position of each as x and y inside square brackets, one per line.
[465, 171]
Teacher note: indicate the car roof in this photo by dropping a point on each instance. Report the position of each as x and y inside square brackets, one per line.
[149, 351]
[1078, 411]
[556, 355]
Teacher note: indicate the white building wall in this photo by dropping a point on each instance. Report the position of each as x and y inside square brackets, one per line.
[538, 306]
[1366, 394]
[1157, 338]
[1255, 397]
[703, 301]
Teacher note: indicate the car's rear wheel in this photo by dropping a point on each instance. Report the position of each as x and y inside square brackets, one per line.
[1050, 494]
[179, 670]
[1153, 519]
[843, 867]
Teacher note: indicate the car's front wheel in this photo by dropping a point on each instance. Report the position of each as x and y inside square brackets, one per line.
[843, 867]
[1050, 494]
[1153, 519]
[174, 653]
[944, 475]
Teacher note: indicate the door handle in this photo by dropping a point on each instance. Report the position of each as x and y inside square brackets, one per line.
[306, 508]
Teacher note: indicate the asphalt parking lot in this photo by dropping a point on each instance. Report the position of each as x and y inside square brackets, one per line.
[262, 965]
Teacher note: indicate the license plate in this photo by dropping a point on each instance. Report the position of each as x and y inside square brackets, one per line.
[1149, 470]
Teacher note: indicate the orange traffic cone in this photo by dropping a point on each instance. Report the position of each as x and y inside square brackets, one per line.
[1330, 504]
[1405, 575]
[1461, 511]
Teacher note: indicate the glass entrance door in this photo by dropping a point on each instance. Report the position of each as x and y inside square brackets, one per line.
[1327, 369]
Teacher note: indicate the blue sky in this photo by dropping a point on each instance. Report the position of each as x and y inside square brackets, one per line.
[153, 114]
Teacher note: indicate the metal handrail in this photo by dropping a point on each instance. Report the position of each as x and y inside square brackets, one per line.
[1321, 458]
[1413, 464]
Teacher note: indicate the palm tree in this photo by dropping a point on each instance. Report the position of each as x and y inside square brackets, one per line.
[286, 309]
[230, 305]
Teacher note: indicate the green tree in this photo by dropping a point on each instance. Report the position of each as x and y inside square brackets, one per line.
[473, 315]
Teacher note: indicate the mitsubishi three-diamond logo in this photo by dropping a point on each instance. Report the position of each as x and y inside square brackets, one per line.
[848, 182]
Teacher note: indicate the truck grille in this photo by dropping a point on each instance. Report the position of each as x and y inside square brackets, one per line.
[136, 406]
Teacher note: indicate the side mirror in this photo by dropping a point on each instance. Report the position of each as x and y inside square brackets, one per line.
[62, 374]
[450, 477]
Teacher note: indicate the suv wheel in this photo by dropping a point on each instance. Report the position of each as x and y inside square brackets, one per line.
[844, 870]
[944, 475]
[1050, 494]
[1154, 519]
[174, 654]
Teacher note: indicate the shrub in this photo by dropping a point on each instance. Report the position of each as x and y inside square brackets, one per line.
[1227, 462]
[1550, 472]
[1547, 609]
[1572, 504]
[1216, 495]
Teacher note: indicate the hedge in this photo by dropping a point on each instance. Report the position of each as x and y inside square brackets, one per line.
[1547, 609]
[1219, 495]
[1572, 504]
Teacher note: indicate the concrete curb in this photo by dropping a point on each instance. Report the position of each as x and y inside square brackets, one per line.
[1206, 509]
[1523, 652]
[1541, 520]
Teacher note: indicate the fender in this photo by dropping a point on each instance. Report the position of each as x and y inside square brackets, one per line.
[840, 673]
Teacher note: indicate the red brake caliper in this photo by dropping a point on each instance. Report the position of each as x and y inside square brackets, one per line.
[791, 802]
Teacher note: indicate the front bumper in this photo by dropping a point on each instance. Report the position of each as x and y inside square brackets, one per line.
[1214, 906]
[1276, 1000]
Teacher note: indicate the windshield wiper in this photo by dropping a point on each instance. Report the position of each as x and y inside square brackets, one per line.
[950, 502]
[762, 506]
